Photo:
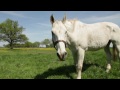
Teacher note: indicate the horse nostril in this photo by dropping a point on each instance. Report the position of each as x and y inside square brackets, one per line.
[57, 54]
[65, 53]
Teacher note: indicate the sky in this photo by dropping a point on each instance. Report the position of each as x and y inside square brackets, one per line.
[37, 23]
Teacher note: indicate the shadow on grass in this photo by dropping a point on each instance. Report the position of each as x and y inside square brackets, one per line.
[64, 70]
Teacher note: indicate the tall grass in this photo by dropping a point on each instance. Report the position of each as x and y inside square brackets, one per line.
[43, 63]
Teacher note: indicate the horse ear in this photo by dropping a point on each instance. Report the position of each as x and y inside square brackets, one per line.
[52, 19]
[64, 18]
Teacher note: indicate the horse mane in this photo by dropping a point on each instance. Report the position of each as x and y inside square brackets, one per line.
[75, 19]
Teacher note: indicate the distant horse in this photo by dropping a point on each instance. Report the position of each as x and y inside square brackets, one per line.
[81, 37]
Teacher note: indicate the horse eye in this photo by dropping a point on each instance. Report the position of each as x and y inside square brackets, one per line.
[52, 32]
[55, 47]
[66, 32]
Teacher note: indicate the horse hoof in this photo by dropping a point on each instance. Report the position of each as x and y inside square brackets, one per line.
[78, 78]
[107, 70]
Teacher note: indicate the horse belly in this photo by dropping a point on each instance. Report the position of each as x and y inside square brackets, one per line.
[99, 39]
[97, 44]
[96, 47]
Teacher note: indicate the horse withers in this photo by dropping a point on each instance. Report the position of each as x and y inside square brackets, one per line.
[81, 37]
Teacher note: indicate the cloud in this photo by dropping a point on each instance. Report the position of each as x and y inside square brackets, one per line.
[3, 43]
[105, 18]
[31, 33]
[37, 36]
[44, 24]
[13, 13]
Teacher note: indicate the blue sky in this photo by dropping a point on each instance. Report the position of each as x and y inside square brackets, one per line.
[37, 23]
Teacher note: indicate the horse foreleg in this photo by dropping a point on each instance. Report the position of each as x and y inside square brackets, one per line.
[109, 57]
[74, 57]
[80, 60]
[118, 51]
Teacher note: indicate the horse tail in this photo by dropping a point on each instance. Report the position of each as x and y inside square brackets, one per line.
[114, 53]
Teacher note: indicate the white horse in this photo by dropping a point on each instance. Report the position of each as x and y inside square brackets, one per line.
[81, 37]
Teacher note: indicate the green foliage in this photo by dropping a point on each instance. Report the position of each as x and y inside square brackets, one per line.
[43, 63]
[11, 32]
[46, 42]
[36, 44]
[28, 44]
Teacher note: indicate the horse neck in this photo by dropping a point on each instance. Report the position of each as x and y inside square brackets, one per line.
[74, 24]
[72, 32]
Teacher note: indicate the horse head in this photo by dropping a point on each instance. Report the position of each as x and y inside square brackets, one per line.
[59, 37]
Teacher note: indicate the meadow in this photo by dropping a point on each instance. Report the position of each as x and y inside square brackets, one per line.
[43, 63]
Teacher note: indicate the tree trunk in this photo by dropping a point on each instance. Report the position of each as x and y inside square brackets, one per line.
[11, 45]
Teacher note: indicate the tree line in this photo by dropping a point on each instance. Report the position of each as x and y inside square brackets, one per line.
[11, 32]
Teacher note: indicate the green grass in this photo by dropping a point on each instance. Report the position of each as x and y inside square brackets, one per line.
[43, 63]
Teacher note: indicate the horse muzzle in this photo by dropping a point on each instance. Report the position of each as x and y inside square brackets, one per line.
[62, 56]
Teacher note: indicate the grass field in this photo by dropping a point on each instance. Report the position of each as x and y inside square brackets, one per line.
[43, 63]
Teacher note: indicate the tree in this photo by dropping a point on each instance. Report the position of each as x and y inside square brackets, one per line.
[11, 32]
[36, 44]
[45, 41]
[28, 44]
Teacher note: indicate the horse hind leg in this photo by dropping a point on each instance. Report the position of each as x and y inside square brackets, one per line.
[109, 56]
[118, 50]
[114, 52]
